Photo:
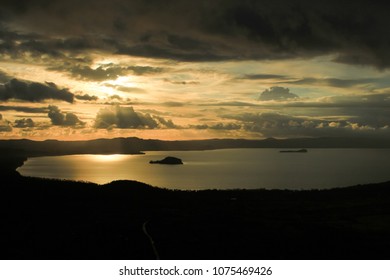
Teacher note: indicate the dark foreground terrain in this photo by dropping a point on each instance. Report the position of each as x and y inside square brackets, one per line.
[54, 219]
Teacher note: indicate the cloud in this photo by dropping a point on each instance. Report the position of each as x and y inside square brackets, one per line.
[173, 104]
[272, 124]
[115, 97]
[34, 44]
[125, 89]
[374, 101]
[24, 123]
[127, 117]
[164, 122]
[218, 126]
[104, 72]
[101, 73]
[33, 92]
[24, 109]
[173, 52]
[263, 77]
[277, 94]
[371, 110]
[4, 77]
[63, 119]
[356, 33]
[335, 82]
[176, 82]
[5, 125]
[144, 70]
[86, 97]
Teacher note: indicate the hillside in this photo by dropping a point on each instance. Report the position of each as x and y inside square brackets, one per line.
[53, 219]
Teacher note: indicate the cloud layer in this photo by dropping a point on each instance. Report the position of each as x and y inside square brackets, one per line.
[127, 117]
[218, 30]
[33, 92]
[5, 125]
[277, 93]
[63, 119]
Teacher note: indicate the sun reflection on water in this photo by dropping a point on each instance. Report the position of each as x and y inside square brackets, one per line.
[107, 158]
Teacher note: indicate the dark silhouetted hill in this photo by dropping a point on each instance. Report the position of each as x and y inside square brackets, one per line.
[57, 219]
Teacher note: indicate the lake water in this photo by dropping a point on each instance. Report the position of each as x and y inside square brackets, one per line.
[224, 169]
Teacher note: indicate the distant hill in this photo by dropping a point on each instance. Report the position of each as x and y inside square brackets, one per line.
[135, 145]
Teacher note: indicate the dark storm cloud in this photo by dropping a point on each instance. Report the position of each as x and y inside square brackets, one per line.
[355, 32]
[172, 52]
[19, 45]
[277, 94]
[63, 119]
[127, 117]
[24, 123]
[33, 92]
[24, 47]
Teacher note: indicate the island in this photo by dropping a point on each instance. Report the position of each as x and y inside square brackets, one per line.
[167, 160]
[294, 151]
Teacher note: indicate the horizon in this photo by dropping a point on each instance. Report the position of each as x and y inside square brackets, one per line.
[193, 70]
[205, 139]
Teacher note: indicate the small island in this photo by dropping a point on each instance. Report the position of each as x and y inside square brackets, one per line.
[294, 151]
[167, 160]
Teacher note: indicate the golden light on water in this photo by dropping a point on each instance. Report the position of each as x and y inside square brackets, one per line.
[107, 158]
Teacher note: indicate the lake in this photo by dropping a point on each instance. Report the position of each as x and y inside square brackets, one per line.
[223, 169]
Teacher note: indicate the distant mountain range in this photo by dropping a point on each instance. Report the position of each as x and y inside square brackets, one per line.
[134, 145]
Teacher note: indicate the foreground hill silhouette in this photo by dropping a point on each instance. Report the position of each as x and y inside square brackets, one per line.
[57, 219]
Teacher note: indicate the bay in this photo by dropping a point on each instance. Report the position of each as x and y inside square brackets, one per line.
[223, 169]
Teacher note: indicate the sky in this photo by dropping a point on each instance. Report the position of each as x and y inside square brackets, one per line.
[87, 69]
